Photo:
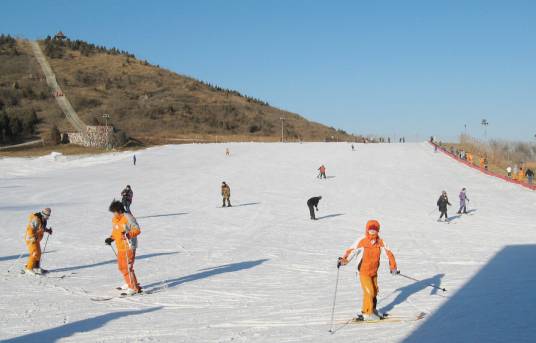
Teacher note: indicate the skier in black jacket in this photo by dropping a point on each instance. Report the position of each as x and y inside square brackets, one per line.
[312, 203]
[442, 203]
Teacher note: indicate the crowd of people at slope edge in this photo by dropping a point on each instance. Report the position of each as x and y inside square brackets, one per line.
[517, 172]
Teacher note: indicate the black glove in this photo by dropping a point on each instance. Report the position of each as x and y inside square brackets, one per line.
[49, 231]
[339, 261]
[108, 240]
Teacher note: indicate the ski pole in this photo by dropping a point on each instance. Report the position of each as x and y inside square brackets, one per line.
[429, 285]
[111, 246]
[335, 296]
[44, 248]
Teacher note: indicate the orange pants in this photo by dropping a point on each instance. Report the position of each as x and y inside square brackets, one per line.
[369, 284]
[125, 264]
[34, 250]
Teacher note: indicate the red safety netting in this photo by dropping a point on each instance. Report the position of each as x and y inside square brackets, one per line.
[483, 170]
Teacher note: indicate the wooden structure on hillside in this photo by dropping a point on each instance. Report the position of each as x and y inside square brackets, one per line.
[60, 36]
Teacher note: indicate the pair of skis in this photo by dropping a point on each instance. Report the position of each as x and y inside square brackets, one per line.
[386, 319]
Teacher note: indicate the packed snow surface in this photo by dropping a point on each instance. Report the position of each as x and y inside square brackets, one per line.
[262, 271]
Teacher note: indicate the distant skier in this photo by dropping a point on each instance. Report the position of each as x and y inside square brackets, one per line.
[125, 229]
[353, 147]
[134, 159]
[371, 246]
[509, 171]
[227, 152]
[521, 175]
[226, 194]
[322, 171]
[530, 175]
[442, 203]
[312, 203]
[34, 234]
[126, 198]
[463, 199]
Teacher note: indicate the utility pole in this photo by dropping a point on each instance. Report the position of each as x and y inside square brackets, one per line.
[485, 124]
[282, 129]
[106, 117]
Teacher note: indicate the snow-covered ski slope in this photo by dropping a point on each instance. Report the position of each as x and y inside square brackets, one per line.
[262, 271]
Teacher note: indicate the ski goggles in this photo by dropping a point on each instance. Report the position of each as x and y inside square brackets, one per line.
[373, 232]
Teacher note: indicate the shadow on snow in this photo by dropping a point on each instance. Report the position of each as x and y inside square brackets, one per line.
[330, 216]
[204, 273]
[98, 264]
[163, 215]
[496, 305]
[247, 204]
[405, 292]
[80, 326]
[14, 257]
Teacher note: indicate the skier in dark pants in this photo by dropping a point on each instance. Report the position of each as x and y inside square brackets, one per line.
[442, 203]
[530, 175]
[134, 159]
[226, 194]
[312, 204]
[126, 198]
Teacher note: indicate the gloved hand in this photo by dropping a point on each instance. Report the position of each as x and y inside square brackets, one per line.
[108, 240]
[49, 230]
[395, 272]
[339, 262]
[127, 235]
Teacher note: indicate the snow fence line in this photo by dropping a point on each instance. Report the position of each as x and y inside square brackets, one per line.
[483, 170]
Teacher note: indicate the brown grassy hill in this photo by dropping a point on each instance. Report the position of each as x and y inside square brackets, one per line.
[24, 95]
[142, 99]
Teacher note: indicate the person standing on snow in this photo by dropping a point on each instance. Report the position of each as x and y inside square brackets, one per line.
[312, 203]
[463, 198]
[34, 234]
[134, 159]
[509, 171]
[520, 175]
[353, 148]
[226, 194]
[125, 229]
[322, 171]
[442, 203]
[530, 175]
[126, 198]
[371, 246]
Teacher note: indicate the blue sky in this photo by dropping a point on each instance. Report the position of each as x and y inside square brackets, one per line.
[404, 68]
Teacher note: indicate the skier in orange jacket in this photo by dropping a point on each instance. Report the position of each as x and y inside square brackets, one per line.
[35, 231]
[125, 229]
[371, 246]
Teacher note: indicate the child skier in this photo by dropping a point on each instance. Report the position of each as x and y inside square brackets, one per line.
[34, 234]
[371, 246]
[463, 198]
[322, 171]
[125, 229]
[442, 203]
